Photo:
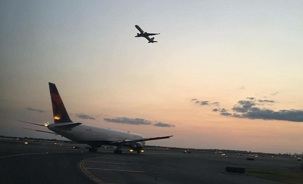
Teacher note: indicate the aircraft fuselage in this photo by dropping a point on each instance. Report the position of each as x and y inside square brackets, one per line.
[146, 34]
[92, 135]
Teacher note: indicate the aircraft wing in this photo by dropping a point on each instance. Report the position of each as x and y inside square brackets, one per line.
[31, 123]
[153, 34]
[41, 131]
[37, 124]
[143, 139]
[141, 31]
[152, 138]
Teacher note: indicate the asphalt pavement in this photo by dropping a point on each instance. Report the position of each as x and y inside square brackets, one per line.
[59, 162]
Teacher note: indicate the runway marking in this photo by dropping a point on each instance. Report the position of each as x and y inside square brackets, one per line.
[94, 178]
[90, 175]
[118, 170]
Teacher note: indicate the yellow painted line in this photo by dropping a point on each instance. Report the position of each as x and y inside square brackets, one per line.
[94, 178]
[118, 170]
[90, 175]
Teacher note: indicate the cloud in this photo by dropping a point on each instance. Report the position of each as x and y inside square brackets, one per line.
[132, 121]
[267, 114]
[243, 106]
[266, 101]
[85, 116]
[275, 93]
[216, 110]
[215, 103]
[205, 102]
[160, 124]
[250, 98]
[224, 112]
[35, 110]
[250, 108]
[137, 121]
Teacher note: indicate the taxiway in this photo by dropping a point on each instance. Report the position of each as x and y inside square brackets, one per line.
[59, 162]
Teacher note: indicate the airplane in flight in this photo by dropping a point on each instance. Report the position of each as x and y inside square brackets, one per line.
[146, 35]
[94, 136]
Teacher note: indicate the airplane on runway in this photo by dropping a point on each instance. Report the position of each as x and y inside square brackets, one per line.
[91, 135]
[146, 35]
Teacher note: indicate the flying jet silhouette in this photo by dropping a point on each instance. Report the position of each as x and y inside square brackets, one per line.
[146, 35]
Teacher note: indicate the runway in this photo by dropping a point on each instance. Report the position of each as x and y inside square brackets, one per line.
[52, 162]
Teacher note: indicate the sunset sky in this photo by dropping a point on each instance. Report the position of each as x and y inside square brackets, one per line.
[223, 75]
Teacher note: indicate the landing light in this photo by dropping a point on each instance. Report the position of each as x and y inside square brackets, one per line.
[142, 151]
[46, 124]
[131, 150]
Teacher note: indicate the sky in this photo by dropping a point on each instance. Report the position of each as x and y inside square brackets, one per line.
[223, 74]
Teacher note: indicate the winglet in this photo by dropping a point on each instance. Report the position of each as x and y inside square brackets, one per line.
[59, 111]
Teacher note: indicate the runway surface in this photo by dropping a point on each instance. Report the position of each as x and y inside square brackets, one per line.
[169, 167]
[40, 162]
[51, 162]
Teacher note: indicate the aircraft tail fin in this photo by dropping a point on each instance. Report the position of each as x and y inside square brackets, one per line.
[59, 111]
